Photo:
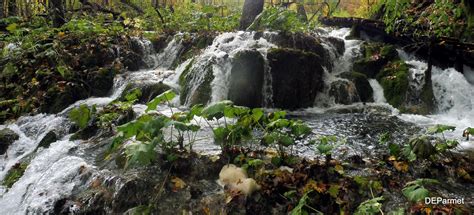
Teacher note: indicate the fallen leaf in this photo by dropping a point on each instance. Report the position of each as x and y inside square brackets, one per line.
[401, 166]
[178, 184]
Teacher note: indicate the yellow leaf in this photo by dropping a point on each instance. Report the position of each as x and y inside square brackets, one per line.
[392, 158]
[11, 27]
[178, 184]
[401, 166]
[339, 169]
[61, 35]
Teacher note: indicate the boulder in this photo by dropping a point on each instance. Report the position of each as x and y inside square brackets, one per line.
[101, 81]
[344, 92]
[395, 82]
[374, 57]
[148, 90]
[364, 90]
[297, 77]
[337, 43]
[49, 138]
[7, 137]
[303, 42]
[246, 78]
[195, 84]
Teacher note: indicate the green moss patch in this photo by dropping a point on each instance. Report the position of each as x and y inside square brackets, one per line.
[394, 81]
[14, 174]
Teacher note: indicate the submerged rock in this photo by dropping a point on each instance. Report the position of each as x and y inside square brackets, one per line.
[7, 137]
[196, 89]
[297, 77]
[247, 77]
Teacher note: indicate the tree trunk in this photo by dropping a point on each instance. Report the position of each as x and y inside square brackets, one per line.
[12, 10]
[57, 12]
[252, 8]
[302, 11]
[2, 9]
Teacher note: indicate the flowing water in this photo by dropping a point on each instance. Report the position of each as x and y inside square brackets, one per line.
[66, 166]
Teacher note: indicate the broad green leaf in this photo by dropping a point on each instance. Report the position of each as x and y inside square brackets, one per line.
[134, 95]
[140, 153]
[286, 140]
[12, 27]
[325, 149]
[371, 206]
[164, 97]
[80, 116]
[216, 111]
[415, 193]
[440, 129]
[300, 129]
[279, 123]
[257, 114]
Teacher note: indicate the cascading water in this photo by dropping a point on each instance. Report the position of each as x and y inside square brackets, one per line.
[218, 57]
[62, 169]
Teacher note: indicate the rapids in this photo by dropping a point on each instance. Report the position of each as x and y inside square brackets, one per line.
[65, 167]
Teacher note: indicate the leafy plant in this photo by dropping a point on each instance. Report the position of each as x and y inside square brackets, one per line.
[300, 207]
[415, 191]
[82, 115]
[371, 206]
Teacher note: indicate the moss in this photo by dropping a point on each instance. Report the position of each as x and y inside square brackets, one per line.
[14, 174]
[182, 77]
[375, 57]
[201, 94]
[394, 81]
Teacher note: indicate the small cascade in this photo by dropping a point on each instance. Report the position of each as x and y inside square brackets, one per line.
[339, 90]
[166, 58]
[215, 63]
[378, 91]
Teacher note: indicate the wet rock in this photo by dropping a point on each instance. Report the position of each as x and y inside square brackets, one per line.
[374, 57]
[394, 81]
[101, 81]
[60, 98]
[49, 138]
[297, 77]
[132, 61]
[305, 43]
[344, 92]
[132, 193]
[195, 90]
[84, 134]
[364, 90]
[337, 43]
[148, 90]
[14, 174]
[247, 76]
[7, 137]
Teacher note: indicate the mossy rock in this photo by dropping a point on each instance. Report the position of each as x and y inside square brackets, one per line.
[297, 77]
[246, 81]
[7, 137]
[148, 90]
[14, 174]
[374, 58]
[101, 81]
[58, 99]
[364, 90]
[395, 82]
[49, 138]
[196, 87]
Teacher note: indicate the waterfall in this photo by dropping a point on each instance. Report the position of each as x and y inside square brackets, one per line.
[218, 58]
[378, 91]
[340, 65]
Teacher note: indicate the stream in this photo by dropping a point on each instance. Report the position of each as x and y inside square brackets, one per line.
[67, 167]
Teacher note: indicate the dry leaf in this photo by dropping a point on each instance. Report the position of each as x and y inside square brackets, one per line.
[401, 166]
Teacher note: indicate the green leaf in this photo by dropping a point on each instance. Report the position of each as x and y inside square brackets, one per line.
[300, 129]
[80, 116]
[286, 140]
[325, 149]
[415, 190]
[334, 190]
[12, 27]
[140, 153]
[134, 95]
[371, 206]
[216, 111]
[164, 97]
[440, 129]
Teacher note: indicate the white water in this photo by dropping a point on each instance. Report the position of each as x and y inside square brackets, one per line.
[219, 56]
[378, 91]
[58, 171]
